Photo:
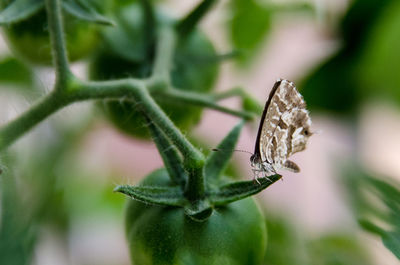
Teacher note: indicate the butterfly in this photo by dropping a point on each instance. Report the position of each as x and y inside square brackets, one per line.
[284, 130]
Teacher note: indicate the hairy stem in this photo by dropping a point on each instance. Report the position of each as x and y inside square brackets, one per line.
[35, 114]
[57, 41]
[193, 159]
[136, 90]
[195, 188]
[237, 91]
[197, 99]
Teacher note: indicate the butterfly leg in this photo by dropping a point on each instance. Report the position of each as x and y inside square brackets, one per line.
[256, 172]
[267, 177]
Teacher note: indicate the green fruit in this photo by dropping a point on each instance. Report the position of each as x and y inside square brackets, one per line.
[234, 234]
[30, 40]
[126, 55]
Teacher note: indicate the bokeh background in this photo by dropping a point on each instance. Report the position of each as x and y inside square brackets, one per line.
[344, 57]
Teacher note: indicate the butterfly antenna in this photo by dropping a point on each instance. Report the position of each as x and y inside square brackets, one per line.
[235, 150]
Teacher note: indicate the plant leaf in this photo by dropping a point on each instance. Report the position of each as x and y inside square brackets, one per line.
[249, 25]
[165, 196]
[251, 105]
[83, 10]
[382, 218]
[240, 190]
[391, 240]
[217, 161]
[14, 72]
[187, 24]
[19, 10]
[169, 154]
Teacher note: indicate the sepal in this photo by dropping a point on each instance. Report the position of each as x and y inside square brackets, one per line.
[164, 196]
[239, 190]
[169, 154]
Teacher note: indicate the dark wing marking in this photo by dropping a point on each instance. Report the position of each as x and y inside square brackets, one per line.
[262, 121]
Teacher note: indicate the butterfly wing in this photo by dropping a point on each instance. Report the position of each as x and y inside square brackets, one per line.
[286, 126]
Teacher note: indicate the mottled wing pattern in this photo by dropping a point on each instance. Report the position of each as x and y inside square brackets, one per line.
[286, 126]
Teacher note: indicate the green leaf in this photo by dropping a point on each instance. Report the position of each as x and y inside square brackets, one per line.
[14, 72]
[17, 235]
[251, 105]
[359, 20]
[380, 61]
[217, 161]
[377, 206]
[19, 10]
[83, 10]
[169, 154]
[249, 25]
[165, 196]
[186, 25]
[240, 190]
[332, 86]
[391, 240]
[127, 38]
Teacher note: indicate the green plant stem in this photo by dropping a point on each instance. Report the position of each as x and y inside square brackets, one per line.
[135, 89]
[149, 26]
[237, 91]
[164, 56]
[195, 188]
[193, 159]
[35, 114]
[57, 41]
[200, 100]
[186, 25]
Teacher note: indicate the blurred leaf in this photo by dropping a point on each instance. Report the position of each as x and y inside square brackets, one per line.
[359, 20]
[83, 10]
[18, 230]
[380, 64]
[293, 6]
[189, 22]
[251, 105]
[335, 85]
[126, 39]
[337, 249]
[14, 72]
[377, 206]
[19, 10]
[249, 25]
[391, 240]
[332, 86]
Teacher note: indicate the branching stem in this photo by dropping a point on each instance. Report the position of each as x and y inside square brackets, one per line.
[57, 41]
[164, 56]
[35, 114]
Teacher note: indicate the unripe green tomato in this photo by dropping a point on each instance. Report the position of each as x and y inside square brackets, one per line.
[233, 235]
[29, 39]
[193, 70]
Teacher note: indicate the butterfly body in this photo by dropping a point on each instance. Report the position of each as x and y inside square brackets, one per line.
[284, 130]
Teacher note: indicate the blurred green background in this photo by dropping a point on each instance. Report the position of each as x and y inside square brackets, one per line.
[57, 204]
